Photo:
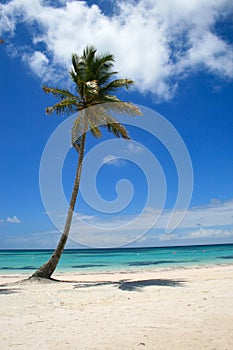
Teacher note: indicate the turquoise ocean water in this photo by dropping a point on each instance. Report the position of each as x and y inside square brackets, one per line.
[99, 260]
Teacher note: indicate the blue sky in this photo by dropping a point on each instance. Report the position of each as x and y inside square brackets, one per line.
[180, 56]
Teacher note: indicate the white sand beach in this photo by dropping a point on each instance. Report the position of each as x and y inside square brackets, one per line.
[183, 308]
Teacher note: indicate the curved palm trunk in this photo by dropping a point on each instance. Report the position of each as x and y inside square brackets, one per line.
[46, 270]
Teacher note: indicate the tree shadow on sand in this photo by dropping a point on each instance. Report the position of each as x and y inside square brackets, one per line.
[133, 286]
[125, 285]
[8, 291]
[138, 285]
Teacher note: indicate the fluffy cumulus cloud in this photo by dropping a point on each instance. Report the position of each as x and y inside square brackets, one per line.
[13, 219]
[154, 42]
[10, 220]
[38, 62]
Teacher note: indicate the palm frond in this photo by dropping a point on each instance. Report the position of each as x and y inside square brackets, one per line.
[98, 116]
[94, 129]
[95, 114]
[116, 84]
[59, 93]
[102, 66]
[104, 78]
[77, 132]
[116, 128]
[78, 74]
[66, 105]
[89, 53]
[78, 127]
[123, 108]
[112, 104]
[119, 131]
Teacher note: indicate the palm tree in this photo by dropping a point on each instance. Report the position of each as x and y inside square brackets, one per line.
[94, 102]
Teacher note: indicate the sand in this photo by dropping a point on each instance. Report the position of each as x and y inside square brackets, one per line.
[189, 308]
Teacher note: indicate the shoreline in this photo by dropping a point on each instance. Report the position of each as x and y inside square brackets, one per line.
[129, 271]
[152, 309]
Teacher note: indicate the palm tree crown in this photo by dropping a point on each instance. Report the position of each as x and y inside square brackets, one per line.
[92, 75]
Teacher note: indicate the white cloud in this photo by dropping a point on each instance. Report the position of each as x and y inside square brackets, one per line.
[84, 217]
[44, 233]
[132, 147]
[154, 42]
[38, 62]
[208, 216]
[13, 220]
[211, 52]
[115, 230]
[209, 233]
[202, 233]
[113, 160]
[215, 214]
[212, 222]
[167, 237]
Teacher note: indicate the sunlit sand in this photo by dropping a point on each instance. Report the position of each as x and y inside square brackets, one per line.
[182, 308]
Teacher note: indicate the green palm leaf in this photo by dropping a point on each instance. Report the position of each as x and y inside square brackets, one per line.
[116, 84]
[59, 93]
[67, 105]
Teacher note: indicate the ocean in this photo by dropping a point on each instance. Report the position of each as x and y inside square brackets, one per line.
[101, 260]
